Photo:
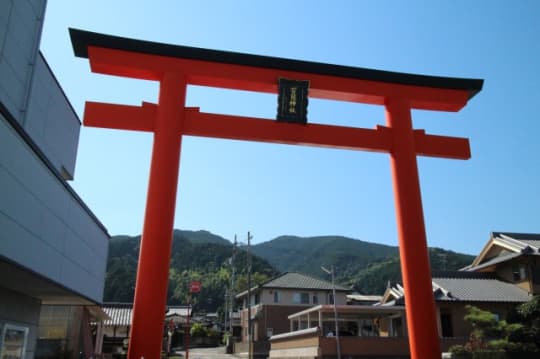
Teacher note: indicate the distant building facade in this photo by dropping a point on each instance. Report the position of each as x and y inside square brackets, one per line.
[113, 333]
[272, 302]
[53, 249]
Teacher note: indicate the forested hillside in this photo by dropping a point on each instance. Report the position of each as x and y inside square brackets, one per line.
[375, 277]
[195, 256]
[366, 267]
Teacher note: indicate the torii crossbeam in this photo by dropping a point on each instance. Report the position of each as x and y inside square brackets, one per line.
[174, 67]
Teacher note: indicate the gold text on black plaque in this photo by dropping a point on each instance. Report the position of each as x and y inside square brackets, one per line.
[292, 100]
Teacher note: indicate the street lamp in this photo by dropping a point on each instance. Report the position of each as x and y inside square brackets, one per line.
[331, 272]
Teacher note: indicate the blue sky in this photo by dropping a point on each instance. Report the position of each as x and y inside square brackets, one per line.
[230, 187]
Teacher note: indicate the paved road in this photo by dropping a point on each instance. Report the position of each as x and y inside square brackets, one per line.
[208, 353]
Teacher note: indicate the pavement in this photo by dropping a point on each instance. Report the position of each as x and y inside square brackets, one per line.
[208, 353]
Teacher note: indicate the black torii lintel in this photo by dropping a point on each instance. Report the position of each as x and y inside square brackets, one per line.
[81, 40]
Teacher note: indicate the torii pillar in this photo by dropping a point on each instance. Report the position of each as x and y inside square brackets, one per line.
[174, 67]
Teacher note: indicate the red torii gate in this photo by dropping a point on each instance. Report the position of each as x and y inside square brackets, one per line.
[177, 66]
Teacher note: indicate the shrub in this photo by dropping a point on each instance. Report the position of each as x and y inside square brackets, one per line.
[198, 330]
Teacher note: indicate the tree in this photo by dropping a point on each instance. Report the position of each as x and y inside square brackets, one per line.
[519, 337]
[486, 327]
[527, 315]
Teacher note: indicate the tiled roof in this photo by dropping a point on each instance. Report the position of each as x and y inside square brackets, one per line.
[177, 310]
[296, 280]
[468, 287]
[507, 246]
[526, 239]
[120, 313]
[492, 261]
[478, 287]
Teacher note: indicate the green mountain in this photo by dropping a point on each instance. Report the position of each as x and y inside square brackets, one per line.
[365, 266]
[307, 254]
[374, 278]
[197, 255]
[201, 237]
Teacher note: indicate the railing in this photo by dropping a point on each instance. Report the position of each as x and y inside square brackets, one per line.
[309, 344]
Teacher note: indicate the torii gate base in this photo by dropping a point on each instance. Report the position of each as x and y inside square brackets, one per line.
[176, 66]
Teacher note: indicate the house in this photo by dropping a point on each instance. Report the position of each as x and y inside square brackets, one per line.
[53, 249]
[112, 333]
[177, 315]
[273, 301]
[503, 275]
[454, 290]
[514, 257]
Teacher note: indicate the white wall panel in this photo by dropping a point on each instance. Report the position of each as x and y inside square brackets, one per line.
[25, 249]
[20, 204]
[5, 10]
[20, 27]
[51, 122]
[43, 227]
[12, 90]
[53, 231]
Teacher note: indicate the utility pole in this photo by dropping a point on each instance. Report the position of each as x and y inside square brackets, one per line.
[231, 292]
[338, 346]
[188, 327]
[226, 311]
[250, 329]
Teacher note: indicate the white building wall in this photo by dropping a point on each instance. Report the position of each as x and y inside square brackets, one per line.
[43, 227]
[47, 234]
[286, 296]
[28, 88]
[20, 29]
[50, 120]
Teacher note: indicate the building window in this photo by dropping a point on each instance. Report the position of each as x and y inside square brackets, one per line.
[255, 299]
[330, 298]
[446, 325]
[59, 328]
[301, 298]
[396, 326]
[315, 299]
[14, 339]
[536, 274]
[519, 272]
[276, 297]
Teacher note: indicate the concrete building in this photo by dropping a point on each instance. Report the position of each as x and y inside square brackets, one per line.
[53, 250]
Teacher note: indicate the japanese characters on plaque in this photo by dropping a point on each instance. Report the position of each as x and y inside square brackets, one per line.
[292, 100]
